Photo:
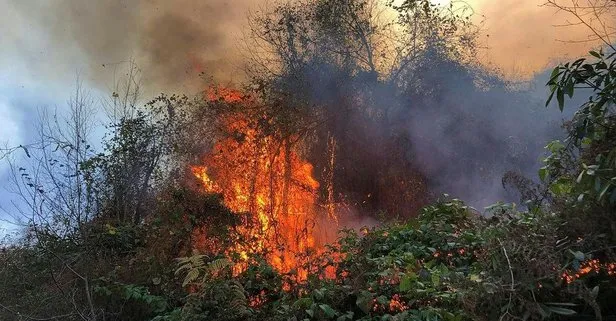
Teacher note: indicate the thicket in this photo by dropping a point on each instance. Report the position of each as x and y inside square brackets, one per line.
[110, 235]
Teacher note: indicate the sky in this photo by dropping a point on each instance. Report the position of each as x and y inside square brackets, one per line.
[47, 44]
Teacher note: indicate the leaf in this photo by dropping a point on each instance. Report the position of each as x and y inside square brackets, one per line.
[329, 312]
[595, 292]
[543, 173]
[303, 303]
[405, 284]
[555, 73]
[319, 294]
[310, 313]
[364, 301]
[555, 146]
[348, 316]
[25, 150]
[595, 54]
[564, 304]
[547, 102]
[190, 276]
[570, 88]
[578, 255]
[436, 279]
[560, 96]
[561, 311]
[382, 300]
[604, 190]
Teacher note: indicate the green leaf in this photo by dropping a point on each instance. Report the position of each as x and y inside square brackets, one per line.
[382, 300]
[570, 88]
[564, 304]
[303, 303]
[604, 190]
[555, 73]
[543, 173]
[190, 277]
[555, 146]
[474, 278]
[578, 255]
[319, 294]
[405, 284]
[329, 312]
[560, 97]
[364, 301]
[310, 313]
[436, 279]
[561, 311]
[547, 102]
[595, 54]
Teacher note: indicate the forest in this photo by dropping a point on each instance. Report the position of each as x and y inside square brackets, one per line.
[345, 178]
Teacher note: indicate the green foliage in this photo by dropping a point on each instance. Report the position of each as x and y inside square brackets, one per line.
[129, 301]
[197, 271]
[448, 264]
[111, 254]
[592, 132]
[400, 272]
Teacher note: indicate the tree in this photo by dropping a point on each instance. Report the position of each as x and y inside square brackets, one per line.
[57, 207]
[596, 15]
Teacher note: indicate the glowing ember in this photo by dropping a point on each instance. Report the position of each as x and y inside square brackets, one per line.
[588, 267]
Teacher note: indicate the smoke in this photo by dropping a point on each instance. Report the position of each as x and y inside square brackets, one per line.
[174, 41]
[171, 41]
[525, 37]
[451, 128]
[467, 138]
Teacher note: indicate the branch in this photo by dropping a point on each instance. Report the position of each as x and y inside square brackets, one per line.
[34, 319]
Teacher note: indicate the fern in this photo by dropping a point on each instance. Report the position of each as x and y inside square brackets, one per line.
[196, 268]
[238, 300]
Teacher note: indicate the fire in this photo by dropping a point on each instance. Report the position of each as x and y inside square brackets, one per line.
[263, 175]
[589, 267]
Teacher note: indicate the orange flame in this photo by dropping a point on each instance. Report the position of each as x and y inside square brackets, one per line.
[265, 177]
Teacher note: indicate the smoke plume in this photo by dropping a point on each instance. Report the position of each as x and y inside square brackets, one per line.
[174, 41]
[171, 41]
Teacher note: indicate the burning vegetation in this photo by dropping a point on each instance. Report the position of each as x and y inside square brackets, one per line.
[264, 176]
[262, 203]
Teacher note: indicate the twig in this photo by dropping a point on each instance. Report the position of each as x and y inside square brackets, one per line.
[512, 279]
[35, 319]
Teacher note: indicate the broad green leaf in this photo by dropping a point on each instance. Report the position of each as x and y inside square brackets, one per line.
[560, 97]
[303, 303]
[405, 284]
[310, 313]
[364, 301]
[436, 279]
[329, 312]
[570, 88]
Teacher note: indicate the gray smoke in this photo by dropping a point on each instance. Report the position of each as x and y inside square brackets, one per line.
[171, 41]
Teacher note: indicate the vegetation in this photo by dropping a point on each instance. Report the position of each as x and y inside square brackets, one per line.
[129, 233]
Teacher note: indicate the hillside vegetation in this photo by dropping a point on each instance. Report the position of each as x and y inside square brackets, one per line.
[143, 229]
